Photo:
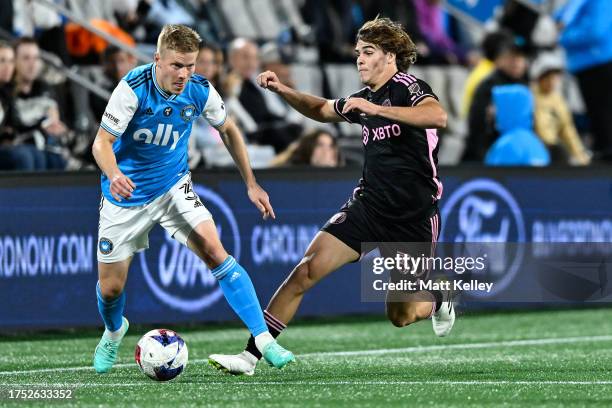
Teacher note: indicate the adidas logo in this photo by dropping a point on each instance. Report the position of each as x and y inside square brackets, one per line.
[149, 111]
[234, 276]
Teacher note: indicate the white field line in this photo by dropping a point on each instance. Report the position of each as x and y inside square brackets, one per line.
[303, 383]
[359, 353]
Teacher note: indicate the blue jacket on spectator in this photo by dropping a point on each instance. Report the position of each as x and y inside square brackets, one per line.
[587, 36]
[518, 144]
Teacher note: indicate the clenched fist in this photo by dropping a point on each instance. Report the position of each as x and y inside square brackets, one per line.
[269, 80]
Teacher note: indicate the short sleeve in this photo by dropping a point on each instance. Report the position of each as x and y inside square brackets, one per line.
[214, 111]
[418, 91]
[350, 117]
[120, 109]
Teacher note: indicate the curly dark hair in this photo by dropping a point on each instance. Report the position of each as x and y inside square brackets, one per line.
[390, 36]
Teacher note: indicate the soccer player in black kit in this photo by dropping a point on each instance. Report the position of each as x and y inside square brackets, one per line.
[395, 201]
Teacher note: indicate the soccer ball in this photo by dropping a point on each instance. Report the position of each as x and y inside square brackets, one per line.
[161, 354]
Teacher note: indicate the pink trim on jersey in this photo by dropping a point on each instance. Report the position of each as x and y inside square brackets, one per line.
[407, 80]
[433, 310]
[339, 112]
[403, 81]
[431, 221]
[415, 99]
[410, 78]
[435, 228]
[432, 142]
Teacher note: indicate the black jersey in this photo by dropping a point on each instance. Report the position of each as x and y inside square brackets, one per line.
[400, 180]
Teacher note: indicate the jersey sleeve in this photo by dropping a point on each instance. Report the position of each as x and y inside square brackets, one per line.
[214, 110]
[350, 117]
[419, 91]
[120, 109]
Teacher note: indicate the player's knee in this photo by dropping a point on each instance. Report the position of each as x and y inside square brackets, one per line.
[207, 246]
[216, 256]
[213, 255]
[111, 289]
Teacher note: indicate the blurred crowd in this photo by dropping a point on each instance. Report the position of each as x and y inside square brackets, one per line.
[528, 87]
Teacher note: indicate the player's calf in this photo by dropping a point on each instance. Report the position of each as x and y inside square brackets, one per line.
[401, 314]
[400, 318]
[301, 278]
[111, 310]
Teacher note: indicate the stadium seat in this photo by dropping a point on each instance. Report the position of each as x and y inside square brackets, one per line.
[308, 78]
[344, 80]
[268, 23]
[291, 12]
[238, 17]
[218, 156]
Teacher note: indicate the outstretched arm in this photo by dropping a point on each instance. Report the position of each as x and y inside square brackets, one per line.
[313, 107]
[234, 142]
[427, 114]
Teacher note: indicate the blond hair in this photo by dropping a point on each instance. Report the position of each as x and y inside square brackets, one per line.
[390, 37]
[178, 38]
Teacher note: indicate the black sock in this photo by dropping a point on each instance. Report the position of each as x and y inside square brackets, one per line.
[437, 294]
[275, 327]
[251, 348]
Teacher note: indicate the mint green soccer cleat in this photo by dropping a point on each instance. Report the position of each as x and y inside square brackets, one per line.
[106, 350]
[277, 356]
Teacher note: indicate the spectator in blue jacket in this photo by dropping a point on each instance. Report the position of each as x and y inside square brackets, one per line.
[518, 144]
[587, 38]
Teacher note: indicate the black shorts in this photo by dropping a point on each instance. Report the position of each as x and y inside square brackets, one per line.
[353, 225]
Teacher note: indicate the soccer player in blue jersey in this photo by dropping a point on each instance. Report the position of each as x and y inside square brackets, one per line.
[141, 148]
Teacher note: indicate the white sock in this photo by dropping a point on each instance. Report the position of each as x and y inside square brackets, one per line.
[114, 336]
[262, 340]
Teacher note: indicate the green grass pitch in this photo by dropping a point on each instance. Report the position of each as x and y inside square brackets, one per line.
[545, 358]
